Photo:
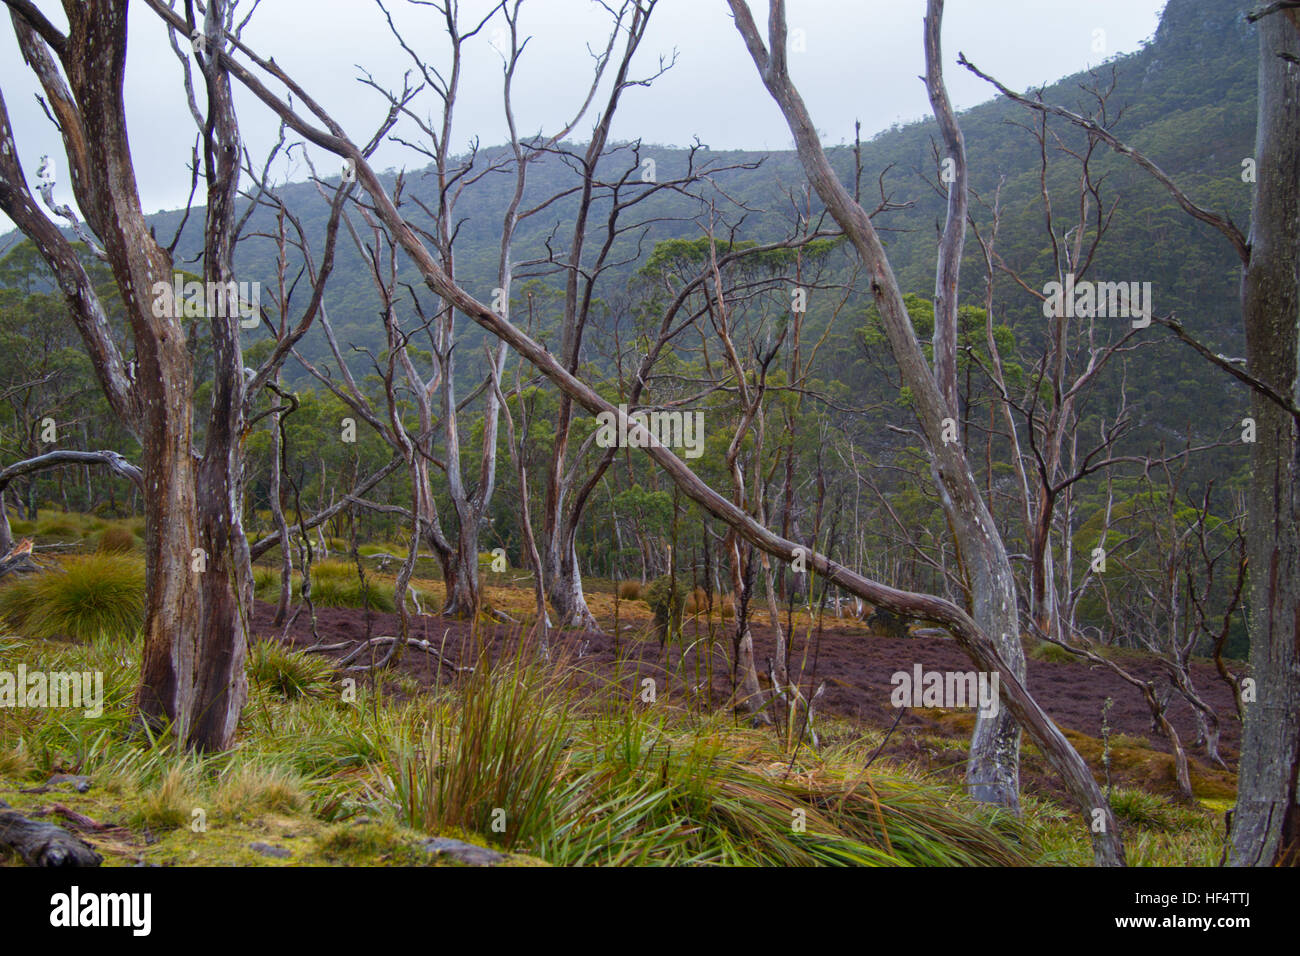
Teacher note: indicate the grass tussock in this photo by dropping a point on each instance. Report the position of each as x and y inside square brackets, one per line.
[289, 674]
[88, 598]
[333, 584]
[59, 527]
[1052, 653]
[255, 787]
[116, 539]
[170, 803]
[511, 758]
[489, 762]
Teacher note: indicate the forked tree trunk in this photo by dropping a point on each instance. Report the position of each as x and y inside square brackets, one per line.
[191, 672]
[564, 583]
[463, 597]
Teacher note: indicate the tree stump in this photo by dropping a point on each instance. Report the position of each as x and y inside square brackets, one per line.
[19, 560]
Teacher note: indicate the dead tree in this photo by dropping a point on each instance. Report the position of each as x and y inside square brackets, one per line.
[993, 769]
[979, 643]
[192, 672]
[197, 556]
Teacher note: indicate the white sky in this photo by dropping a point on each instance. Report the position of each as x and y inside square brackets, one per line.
[862, 61]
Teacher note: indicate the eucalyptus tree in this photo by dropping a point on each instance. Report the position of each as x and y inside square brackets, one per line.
[198, 569]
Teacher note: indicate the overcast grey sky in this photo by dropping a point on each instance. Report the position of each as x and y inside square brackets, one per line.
[853, 60]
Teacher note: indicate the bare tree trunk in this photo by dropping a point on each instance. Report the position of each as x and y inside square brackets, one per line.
[564, 584]
[227, 589]
[1266, 821]
[746, 670]
[993, 768]
[194, 638]
[278, 454]
[6, 533]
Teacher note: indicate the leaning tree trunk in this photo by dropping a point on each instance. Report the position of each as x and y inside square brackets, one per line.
[992, 773]
[1266, 821]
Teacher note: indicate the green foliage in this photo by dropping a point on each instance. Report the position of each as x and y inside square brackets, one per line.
[500, 751]
[290, 674]
[589, 779]
[629, 789]
[266, 583]
[89, 598]
[1047, 651]
[641, 794]
[333, 584]
[1139, 808]
[59, 527]
[336, 584]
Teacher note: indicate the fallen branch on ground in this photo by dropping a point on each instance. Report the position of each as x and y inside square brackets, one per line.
[43, 844]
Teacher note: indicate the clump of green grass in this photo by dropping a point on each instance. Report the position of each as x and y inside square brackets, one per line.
[116, 539]
[290, 674]
[63, 527]
[88, 598]
[509, 756]
[1053, 653]
[169, 804]
[333, 592]
[491, 760]
[333, 584]
[647, 795]
[266, 583]
[1151, 812]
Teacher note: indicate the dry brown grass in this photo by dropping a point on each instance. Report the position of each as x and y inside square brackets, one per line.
[513, 595]
[116, 539]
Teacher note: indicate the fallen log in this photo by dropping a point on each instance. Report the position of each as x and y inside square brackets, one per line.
[43, 844]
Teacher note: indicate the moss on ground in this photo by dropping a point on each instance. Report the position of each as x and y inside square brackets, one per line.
[228, 839]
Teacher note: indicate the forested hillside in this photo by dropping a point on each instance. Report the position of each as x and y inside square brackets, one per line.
[1187, 100]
